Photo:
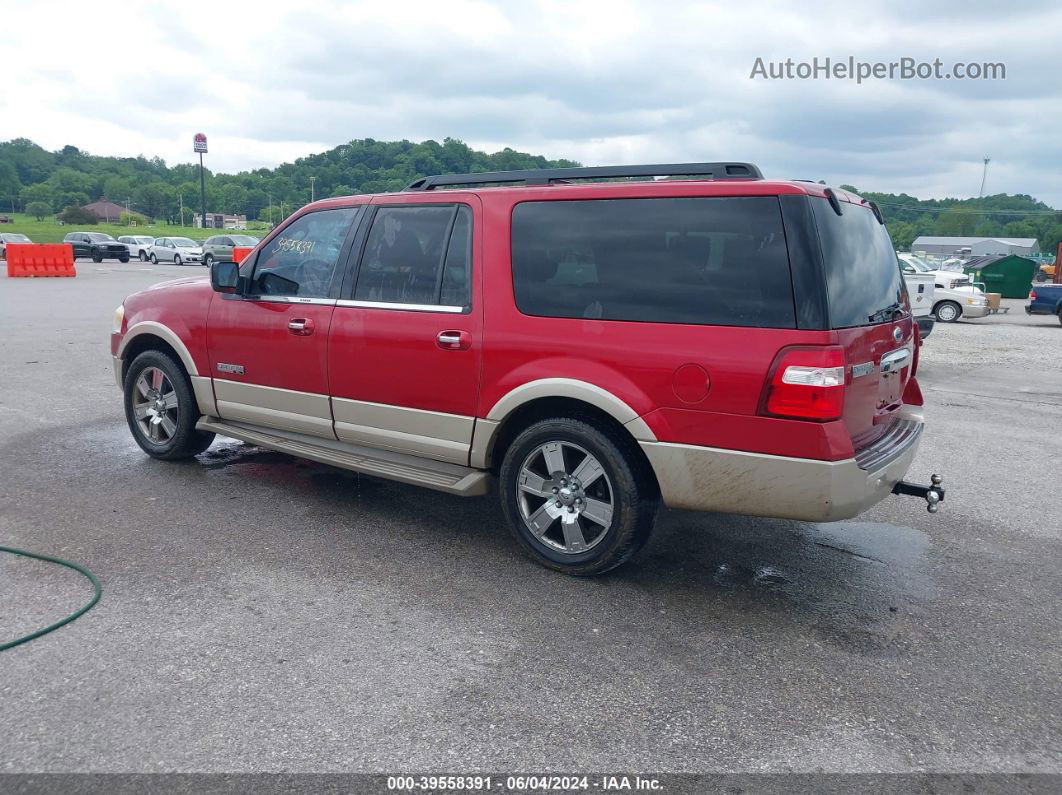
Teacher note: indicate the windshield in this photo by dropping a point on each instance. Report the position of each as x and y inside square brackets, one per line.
[144, 239]
[244, 240]
[99, 237]
[863, 278]
[919, 265]
[14, 238]
[184, 242]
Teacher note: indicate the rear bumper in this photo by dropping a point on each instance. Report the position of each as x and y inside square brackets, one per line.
[731, 481]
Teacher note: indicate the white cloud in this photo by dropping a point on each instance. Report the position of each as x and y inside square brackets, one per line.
[599, 82]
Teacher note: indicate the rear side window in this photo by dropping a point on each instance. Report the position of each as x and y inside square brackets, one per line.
[711, 261]
[417, 255]
[863, 277]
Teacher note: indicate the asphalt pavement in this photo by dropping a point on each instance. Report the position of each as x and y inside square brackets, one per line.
[263, 613]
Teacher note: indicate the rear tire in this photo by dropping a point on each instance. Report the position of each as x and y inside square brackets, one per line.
[1060, 315]
[947, 312]
[208, 260]
[160, 408]
[585, 509]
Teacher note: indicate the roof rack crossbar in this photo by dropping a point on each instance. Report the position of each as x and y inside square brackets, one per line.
[548, 176]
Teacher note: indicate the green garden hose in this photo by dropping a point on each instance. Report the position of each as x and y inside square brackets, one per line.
[98, 591]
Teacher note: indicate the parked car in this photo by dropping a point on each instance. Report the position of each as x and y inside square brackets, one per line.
[954, 294]
[1045, 299]
[139, 246]
[97, 245]
[10, 237]
[594, 349]
[920, 289]
[219, 247]
[177, 250]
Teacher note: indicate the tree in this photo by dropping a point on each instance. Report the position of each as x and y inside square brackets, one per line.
[9, 184]
[40, 192]
[39, 210]
[76, 215]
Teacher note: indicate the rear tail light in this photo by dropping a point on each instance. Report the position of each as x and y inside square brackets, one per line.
[807, 384]
[1032, 295]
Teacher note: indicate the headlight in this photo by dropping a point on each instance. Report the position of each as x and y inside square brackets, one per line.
[119, 317]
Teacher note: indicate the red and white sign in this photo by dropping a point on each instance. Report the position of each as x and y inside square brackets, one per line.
[199, 143]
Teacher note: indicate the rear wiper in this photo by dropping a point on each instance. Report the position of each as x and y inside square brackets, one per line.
[888, 313]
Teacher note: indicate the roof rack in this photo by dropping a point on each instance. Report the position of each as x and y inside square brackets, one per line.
[548, 176]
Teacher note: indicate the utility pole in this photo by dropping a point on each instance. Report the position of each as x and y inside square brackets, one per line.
[984, 176]
[180, 197]
[311, 188]
[269, 204]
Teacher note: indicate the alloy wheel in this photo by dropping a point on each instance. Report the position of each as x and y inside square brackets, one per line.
[565, 497]
[155, 405]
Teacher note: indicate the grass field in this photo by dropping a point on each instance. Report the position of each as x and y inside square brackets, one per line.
[50, 231]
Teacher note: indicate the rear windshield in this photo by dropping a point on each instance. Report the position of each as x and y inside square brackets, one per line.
[863, 277]
[713, 261]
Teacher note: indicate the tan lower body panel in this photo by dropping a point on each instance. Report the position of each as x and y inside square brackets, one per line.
[431, 434]
[729, 481]
[270, 407]
[204, 394]
[451, 478]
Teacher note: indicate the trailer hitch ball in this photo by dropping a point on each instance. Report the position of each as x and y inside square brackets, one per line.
[933, 494]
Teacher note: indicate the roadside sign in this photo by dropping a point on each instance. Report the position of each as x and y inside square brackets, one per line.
[199, 143]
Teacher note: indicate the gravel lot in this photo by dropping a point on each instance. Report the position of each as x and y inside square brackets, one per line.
[262, 613]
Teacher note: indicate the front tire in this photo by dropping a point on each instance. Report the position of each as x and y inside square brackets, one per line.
[97, 257]
[177, 259]
[123, 259]
[578, 496]
[161, 410]
[154, 259]
[947, 312]
[143, 256]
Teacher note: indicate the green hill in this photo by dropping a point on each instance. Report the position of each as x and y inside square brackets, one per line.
[32, 178]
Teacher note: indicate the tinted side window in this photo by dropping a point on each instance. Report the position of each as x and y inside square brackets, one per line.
[714, 261]
[301, 260]
[417, 255]
[863, 277]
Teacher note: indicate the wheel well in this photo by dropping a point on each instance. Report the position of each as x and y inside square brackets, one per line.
[544, 408]
[149, 342]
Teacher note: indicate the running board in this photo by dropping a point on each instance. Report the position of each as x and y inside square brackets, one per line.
[439, 475]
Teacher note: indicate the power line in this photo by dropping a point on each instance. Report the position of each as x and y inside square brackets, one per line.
[916, 208]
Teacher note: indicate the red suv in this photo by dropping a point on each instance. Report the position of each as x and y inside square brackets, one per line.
[592, 340]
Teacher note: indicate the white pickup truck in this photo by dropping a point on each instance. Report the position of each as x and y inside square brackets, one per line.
[953, 294]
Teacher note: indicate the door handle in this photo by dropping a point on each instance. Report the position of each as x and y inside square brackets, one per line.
[454, 340]
[301, 326]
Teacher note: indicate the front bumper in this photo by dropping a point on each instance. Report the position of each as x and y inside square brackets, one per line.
[757, 484]
[973, 310]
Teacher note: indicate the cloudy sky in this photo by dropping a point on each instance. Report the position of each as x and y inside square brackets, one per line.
[600, 82]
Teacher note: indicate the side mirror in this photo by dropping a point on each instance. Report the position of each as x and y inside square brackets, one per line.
[224, 276]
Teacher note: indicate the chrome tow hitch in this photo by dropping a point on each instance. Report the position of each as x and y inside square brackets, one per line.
[932, 494]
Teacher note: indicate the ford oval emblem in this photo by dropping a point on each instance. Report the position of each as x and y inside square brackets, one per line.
[897, 334]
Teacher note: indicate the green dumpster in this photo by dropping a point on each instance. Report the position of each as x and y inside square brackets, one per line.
[1006, 274]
